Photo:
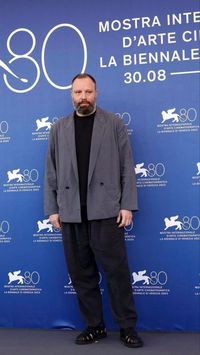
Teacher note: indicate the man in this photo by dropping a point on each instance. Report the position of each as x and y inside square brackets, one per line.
[90, 194]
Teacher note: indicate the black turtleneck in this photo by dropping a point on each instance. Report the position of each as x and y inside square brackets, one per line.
[83, 135]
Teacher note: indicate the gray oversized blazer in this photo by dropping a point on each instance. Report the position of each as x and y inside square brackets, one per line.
[111, 176]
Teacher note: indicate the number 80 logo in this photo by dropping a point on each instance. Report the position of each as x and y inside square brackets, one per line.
[27, 56]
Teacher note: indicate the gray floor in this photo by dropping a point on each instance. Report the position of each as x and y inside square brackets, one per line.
[61, 342]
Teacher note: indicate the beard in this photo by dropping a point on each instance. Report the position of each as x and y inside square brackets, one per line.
[84, 108]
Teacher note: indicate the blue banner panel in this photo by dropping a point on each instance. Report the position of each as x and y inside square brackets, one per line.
[145, 57]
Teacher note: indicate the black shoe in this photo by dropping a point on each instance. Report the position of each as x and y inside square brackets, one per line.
[130, 338]
[91, 335]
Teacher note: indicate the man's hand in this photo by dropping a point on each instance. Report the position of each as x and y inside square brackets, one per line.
[55, 220]
[124, 218]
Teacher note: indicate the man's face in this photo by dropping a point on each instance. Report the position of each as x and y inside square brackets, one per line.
[84, 95]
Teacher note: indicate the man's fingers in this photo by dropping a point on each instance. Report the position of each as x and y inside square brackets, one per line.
[124, 218]
[57, 225]
[118, 218]
[55, 221]
[123, 222]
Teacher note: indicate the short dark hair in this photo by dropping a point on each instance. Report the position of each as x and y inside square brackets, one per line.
[82, 76]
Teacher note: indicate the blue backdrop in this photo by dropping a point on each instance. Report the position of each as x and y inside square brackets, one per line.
[145, 57]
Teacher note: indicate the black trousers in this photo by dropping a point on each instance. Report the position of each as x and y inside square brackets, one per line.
[101, 240]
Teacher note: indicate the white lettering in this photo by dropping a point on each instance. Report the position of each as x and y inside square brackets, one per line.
[110, 63]
[150, 39]
[104, 27]
[145, 21]
[161, 57]
[185, 38]
[135, 21]
[196, 16]
[175, 56]
[143, 58]
[127, 41]
[127, 24]
[156, 21]
[127, 59]
[102, 65]
[186, 17]
[195, 54]
[116, 25]
[189, 36]
[141, 41]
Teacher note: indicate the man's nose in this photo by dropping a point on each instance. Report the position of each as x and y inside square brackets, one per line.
[83, 95]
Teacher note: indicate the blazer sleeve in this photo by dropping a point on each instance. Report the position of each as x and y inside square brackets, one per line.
[50, 182]
[129, 200]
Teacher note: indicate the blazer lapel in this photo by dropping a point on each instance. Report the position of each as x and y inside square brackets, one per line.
[97, 135]
[70, 139]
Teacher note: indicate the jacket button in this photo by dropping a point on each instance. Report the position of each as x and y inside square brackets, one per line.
[67, 187]
[101, 183]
